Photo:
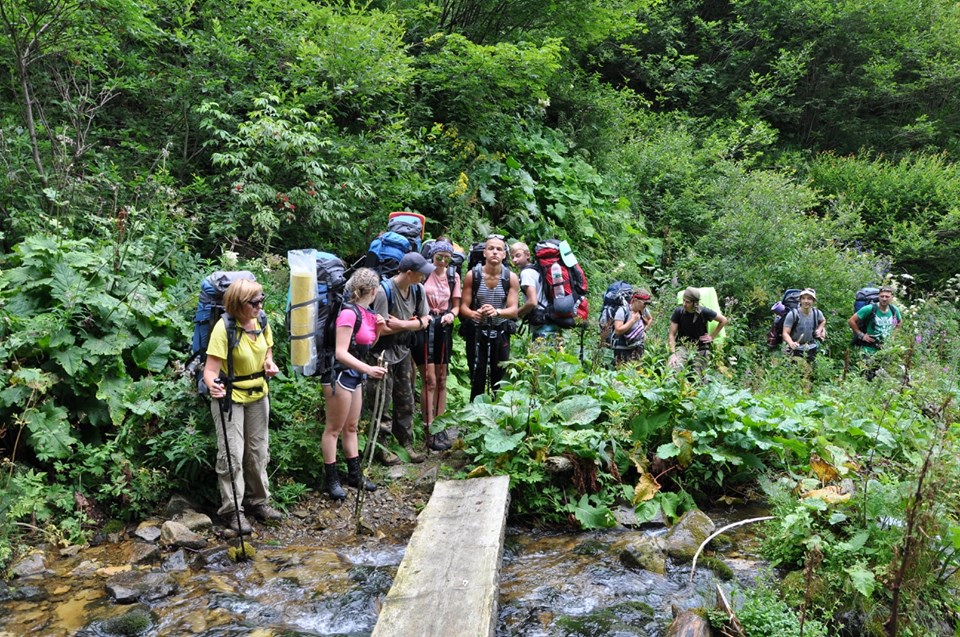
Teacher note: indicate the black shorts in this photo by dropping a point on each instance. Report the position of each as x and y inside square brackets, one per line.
[433, 344]
[348, 379]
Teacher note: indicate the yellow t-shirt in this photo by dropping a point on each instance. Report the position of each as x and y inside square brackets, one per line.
[248, 358]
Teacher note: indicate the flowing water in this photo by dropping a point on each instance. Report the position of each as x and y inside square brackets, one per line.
[551, 586]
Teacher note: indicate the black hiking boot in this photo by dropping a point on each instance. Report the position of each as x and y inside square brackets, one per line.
[355, 475]
[332, 482]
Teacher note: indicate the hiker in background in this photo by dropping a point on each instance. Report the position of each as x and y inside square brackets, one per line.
[630, 328]
[357, 329]
[688, 331]
[400, 301]
[530, 285]
[488, 307]
[875, 323]
[246, 409]
[805, 327]
[431, 351]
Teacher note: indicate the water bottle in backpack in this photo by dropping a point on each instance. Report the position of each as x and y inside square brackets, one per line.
[556, 279]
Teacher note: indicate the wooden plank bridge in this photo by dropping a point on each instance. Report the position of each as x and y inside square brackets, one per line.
[448, 582]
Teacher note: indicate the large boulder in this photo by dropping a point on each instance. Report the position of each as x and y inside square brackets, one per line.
[685, 537]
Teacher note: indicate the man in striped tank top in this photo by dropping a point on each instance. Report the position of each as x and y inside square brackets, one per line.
[488, 309]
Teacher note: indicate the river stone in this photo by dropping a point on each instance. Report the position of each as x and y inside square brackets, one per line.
[140, 552]
[32, 564]
[195, 521]
[148, 531]
[176, 534]
[689, 624]
[176, 562]
[127, 588]
[28, 593]
[4, 591]
[177, 505]
[645, 552]
[84, 568]
[685, 537]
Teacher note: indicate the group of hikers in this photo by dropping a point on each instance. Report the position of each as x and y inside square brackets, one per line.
[386, 327]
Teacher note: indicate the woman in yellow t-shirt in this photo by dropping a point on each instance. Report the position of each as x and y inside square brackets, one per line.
[244, 433]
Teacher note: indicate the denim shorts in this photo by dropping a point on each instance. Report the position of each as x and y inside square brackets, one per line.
[348, 379]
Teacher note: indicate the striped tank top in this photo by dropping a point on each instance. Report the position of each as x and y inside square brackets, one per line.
[495, 296]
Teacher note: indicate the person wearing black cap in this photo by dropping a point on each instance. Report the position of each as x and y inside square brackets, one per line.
[402, 303]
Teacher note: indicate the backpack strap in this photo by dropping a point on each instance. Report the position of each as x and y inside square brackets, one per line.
[388, 292]
[478, 277]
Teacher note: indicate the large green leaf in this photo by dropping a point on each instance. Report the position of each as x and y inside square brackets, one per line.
[67, 284]
[499, 441]
[578, 410]
[71, 360]
[152, 353]
[862, 579]
[49, 429]
[593, 517]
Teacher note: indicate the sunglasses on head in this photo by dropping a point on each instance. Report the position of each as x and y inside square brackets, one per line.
[256, 302]
[496, 236]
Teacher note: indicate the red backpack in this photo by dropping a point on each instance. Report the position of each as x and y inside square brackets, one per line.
[564, 283]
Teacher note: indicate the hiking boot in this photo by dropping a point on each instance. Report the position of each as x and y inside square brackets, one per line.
[264, 513]
[415, 456]
[229, 520]
[355, 475]
[439, 442]
[332, 482]
[387, 457]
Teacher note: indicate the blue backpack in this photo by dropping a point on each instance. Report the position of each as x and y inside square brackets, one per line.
[210, 310]
[386, 251]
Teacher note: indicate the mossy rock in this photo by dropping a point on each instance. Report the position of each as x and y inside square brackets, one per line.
[136, 621]
[718, 566]
[236, 554]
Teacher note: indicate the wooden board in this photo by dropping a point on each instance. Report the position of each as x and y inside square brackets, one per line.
[448, 582]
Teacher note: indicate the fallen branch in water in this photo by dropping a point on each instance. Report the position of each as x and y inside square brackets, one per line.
[693, 566]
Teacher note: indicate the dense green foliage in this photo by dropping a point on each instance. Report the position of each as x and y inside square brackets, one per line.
[748, 145]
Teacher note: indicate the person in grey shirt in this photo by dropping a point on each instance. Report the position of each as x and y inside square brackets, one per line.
[804, 327]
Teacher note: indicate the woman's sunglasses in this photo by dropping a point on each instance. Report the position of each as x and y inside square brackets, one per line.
[256, 302]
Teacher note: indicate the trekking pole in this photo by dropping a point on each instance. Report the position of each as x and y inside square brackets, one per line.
[225, 412]
[379, 403]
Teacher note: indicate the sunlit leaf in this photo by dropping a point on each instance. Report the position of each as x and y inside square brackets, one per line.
[683, 439]
[862, 579]
[647, 487]
[578, 410]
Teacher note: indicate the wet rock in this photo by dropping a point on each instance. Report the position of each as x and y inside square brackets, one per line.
[4, 591]
[175, 534]
[148, 531]
[141, 552]
[426, 480]
[176, 562]
[195, 521]
[85, 568]
[33, 564]
[28, 593]
[127, 588]
[685, 537]
[645, 553]
[177, 505]
[72, 551]
[137, 621]
[689, 624]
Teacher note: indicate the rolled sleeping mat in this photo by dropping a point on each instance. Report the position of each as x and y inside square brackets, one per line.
[303, 304]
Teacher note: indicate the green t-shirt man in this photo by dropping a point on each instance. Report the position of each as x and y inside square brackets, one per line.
[877, 322]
